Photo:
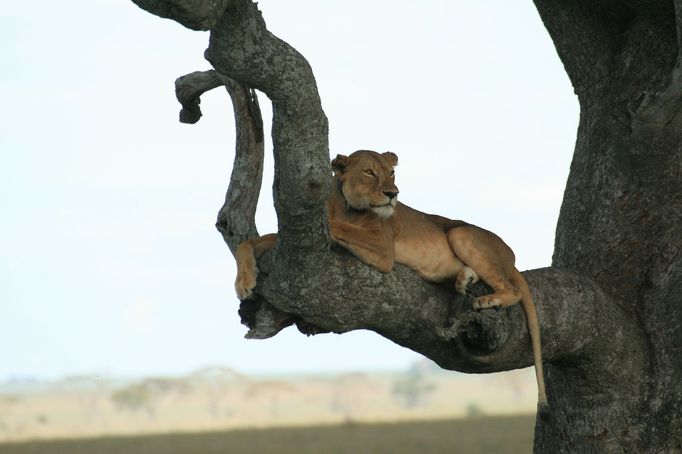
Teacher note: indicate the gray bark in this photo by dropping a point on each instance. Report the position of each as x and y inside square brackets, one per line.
[621, 218]
[609, 307]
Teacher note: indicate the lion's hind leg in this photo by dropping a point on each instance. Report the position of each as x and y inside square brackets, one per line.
[490, 259]
[493, 261]
[505, 294]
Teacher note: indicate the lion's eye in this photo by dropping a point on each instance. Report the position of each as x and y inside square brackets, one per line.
[369, 173]
[392, 172]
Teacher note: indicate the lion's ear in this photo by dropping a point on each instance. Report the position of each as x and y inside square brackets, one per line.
[391, 157]
[339, 163]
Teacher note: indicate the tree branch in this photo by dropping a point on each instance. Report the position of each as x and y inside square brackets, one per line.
[188, 91]
[242, 48]
[193, 14]
[236, 219]
[350, 295]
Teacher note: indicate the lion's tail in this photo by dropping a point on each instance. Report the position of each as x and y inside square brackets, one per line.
[529, 309]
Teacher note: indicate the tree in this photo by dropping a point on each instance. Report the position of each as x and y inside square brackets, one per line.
[609, 305]
[412, 388]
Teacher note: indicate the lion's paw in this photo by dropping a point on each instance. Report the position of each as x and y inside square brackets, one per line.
[465, 278]
[244, 285]
[487, 302]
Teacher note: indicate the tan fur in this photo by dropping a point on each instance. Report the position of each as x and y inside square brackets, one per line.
[365, 218]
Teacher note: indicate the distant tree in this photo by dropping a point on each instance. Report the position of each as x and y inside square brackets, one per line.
[134, 398]
[143, 396]
[610, 305]
[412, 388]
[474, 411]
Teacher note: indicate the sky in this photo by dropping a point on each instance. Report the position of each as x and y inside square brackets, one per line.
[109, 259]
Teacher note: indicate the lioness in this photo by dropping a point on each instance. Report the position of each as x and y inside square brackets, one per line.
[366, 218]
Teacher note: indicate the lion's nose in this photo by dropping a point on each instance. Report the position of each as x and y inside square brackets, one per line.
[391, 194]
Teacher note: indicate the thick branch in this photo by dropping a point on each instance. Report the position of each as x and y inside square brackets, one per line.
[242, 48]
[193, 14]
[415, 314]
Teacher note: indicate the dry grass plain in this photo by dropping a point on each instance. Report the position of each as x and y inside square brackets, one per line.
[489, 435]
[218, 410]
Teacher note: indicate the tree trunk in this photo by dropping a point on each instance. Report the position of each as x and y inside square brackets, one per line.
[621, 218]
[609, 307]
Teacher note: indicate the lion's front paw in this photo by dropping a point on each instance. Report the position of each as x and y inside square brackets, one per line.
[487, 302]
[244, 285]
[465, 278]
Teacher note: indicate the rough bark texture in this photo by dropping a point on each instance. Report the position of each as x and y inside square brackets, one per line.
[609, 306]
[621, 218]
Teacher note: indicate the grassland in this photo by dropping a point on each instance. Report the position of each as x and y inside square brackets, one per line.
[219, 400]
[490, 435]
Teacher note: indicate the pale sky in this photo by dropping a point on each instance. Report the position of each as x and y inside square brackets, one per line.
[109, 259]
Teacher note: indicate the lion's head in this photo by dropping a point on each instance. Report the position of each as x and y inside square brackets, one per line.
[367, 181]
